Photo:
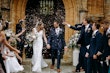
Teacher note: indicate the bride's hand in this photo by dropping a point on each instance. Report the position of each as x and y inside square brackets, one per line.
[17, 51]
[48, 46]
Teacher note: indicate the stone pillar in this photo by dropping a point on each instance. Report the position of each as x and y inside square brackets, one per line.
[83, 13]
[107, 9]
[83, 10]
[84, 4]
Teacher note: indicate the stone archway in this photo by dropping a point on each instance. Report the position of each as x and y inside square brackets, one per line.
[72, 16]
[18, 12]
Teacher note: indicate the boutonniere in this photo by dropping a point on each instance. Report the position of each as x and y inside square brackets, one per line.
[88, 30]
[60, 31]
[93, 36]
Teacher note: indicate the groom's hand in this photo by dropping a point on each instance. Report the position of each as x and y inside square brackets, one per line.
[48, 46]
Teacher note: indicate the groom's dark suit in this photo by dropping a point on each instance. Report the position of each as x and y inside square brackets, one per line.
[57, 43]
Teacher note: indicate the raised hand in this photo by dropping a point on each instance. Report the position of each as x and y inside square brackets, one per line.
[64, 23]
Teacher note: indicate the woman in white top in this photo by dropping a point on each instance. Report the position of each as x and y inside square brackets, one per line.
[11, 62]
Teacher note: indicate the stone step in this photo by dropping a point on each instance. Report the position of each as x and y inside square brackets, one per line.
[27, 66]
[65, 68]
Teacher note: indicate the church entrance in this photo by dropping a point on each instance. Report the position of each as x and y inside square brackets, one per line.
[46, 11]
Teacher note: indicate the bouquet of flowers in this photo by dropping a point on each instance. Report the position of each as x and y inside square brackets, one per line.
[9, 32]
[30, 37]
[73, 40]
[12, 41]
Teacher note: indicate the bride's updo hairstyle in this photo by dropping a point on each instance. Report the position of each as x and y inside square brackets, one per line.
[40, 25]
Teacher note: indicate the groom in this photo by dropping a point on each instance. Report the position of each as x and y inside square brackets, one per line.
[57, 43]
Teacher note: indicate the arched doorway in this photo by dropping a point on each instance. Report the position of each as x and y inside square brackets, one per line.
[18, 8]
[46, 11]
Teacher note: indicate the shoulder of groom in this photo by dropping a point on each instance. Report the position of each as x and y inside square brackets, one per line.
[52, 29]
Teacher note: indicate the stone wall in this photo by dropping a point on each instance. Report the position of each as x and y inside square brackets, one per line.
[96, 8]
[5, 9]
[107, 9]
[75, 11]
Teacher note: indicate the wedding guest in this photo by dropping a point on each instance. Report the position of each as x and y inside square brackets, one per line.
[20, 34]
[3, 41]
[108, 58]
[11, 62]
[8, 32]
[84, 41]
[93, 63]
[106, 50]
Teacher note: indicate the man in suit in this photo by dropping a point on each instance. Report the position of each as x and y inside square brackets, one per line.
[108, 58]
[84, 41]
[105, 46]
[57, 43]
[93, 63]
[20, 34]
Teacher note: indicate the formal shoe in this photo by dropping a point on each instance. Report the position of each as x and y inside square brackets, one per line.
[52, 67]
[58, 70]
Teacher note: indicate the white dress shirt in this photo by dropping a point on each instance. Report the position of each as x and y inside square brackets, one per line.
[94, 32]
[86, 27]
[57, 30]
[108, 31]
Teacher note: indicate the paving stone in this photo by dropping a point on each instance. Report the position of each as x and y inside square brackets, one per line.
[65, 68]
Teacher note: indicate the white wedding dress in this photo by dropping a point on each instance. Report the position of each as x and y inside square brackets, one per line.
[37, 59]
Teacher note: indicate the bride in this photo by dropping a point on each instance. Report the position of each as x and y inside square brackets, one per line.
[37, 59]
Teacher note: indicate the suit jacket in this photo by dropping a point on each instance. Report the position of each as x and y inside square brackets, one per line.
[56, 41]
[105, 47]
[84, 38]
[95, 44]
[109, 44]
